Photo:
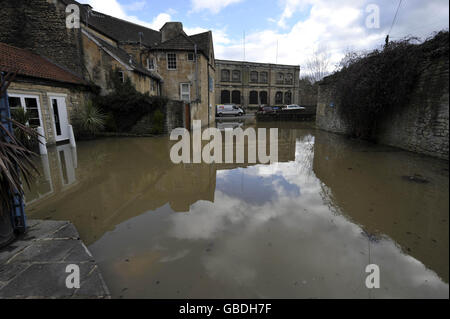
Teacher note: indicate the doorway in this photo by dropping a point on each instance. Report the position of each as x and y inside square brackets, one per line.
[60, 120]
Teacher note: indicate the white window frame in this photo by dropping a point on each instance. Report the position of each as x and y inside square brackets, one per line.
[22, 102]
[188, 93]
[123, 76]
[176, 61]
[151, 66]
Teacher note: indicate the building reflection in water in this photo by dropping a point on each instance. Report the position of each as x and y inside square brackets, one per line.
[57, 173]
[325, 210]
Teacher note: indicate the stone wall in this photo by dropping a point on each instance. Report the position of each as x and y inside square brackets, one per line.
[421, 126]
[40, 26]
[307, 93]
[175, 113]
[186, 73]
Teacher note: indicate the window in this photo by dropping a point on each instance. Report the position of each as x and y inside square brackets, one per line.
[236, 76]
[289, 78]
[211, 84]
[254, 77]
[263, 97]
[171, 61]
[225, 97]
[263, 77]
[121, 75]
[287, 98]
[152, 85]
[31, 106]
[253, 97]
[151, 63]
[14, 103]
[225, 75]
[279, 98]
[190, 56]
[280, 78]
[185, 92]
[236, 97]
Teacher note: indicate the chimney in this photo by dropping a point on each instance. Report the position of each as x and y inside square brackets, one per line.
[170, 30]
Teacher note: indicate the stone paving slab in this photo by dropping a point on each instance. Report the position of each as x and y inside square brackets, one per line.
[34, 266]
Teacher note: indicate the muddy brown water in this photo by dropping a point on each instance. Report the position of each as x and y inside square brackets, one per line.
[304, 227]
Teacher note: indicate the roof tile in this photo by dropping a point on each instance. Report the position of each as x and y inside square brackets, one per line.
[26, 63]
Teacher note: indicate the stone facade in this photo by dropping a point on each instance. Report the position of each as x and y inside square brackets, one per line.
[100, 61]
[422, 125]
[250, 84]
[189, 74]
[40, 26]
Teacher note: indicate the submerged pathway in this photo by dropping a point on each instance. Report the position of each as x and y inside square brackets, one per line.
[34, 266]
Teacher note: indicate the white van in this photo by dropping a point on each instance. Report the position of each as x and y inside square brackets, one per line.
[229, 109]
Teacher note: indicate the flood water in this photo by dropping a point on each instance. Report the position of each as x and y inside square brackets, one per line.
[305, 227]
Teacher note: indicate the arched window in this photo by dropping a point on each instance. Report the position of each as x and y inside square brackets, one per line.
[263, 97]
[288, 98]
[225, 75]
[253, 97]
[225, 97]
[236, 97]
[279, 98]
[236, 76]
[254, 77]
[289, 78]
[263, 77]
[280, 78]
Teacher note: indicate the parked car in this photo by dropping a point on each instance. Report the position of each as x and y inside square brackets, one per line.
[229, 109]
[224, 125]
[293, 107]
[266, 110]
[276, 108]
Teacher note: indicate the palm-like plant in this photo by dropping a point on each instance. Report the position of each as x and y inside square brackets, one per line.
[15, 159]
[88, 120]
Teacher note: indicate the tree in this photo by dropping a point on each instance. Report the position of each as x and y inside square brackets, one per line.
[317, 66]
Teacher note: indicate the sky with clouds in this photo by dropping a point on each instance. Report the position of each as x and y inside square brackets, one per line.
[296, 27]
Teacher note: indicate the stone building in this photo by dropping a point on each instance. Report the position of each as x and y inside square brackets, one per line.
[166, 62]
[45, 90]
[250, 84]
[187, 65]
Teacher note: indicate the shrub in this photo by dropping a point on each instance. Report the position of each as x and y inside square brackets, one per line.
[126, 105]
[88, 120]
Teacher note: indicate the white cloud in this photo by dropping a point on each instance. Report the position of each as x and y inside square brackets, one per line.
[290, 6]
[159, 21]
[337, 25]
[135, 6]
[215, 6]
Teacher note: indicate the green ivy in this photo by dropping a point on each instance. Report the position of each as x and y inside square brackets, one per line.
[372, 86]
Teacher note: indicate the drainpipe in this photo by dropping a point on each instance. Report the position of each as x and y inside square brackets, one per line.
[196, 74]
